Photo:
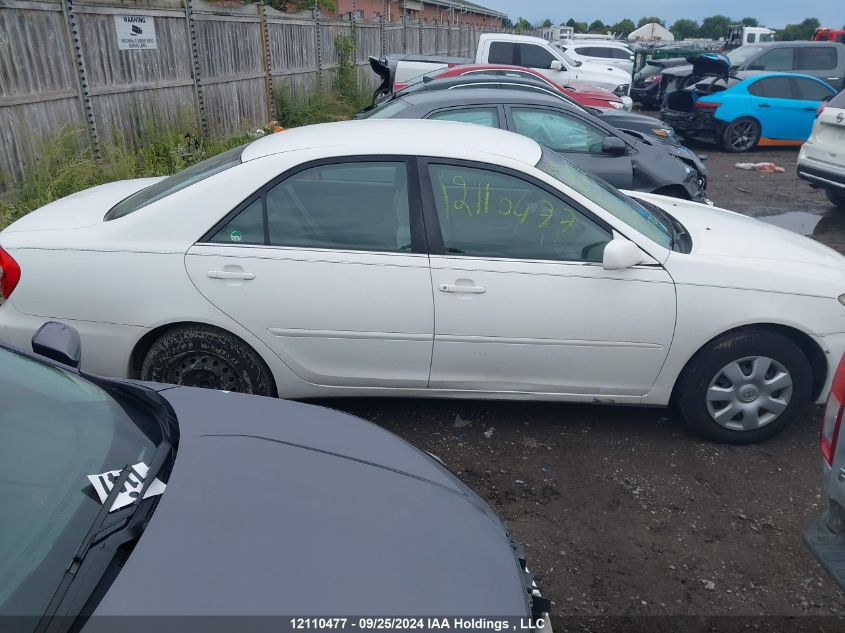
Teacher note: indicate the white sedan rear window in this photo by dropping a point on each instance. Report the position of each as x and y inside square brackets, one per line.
[176, 182]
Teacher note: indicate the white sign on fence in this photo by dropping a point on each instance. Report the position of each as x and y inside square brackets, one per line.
[135, 32]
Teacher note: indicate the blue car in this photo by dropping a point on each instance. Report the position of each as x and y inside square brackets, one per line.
[745, 110]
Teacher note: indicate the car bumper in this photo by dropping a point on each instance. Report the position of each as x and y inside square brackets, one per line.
[107, 346]
[698, 125]
[827, 546]
[646, 95]
[821, 174]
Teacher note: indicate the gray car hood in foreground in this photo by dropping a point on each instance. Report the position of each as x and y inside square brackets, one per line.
[283, 508]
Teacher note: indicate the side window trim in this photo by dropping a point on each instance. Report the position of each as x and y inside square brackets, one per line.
[415, 209]
[432, 222]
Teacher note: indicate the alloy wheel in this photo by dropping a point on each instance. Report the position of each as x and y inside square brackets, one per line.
[742, 135]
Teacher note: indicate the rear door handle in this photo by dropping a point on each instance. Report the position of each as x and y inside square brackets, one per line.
[811, 108]
[476, 290]
[764, 105]
[230, 274]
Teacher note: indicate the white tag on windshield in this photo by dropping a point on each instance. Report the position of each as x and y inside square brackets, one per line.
[104, 482]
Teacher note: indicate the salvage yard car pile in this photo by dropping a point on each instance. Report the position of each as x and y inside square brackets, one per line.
[482, 232]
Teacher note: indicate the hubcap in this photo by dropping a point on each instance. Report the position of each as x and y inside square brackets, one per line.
[205, 370]
[742, 135]
[749, 393]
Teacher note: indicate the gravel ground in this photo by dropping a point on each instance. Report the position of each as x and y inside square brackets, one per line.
[622, 513]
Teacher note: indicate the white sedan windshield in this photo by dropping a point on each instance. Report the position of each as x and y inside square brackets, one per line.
[607, 197]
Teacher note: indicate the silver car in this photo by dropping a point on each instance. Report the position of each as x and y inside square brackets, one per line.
[825, 536]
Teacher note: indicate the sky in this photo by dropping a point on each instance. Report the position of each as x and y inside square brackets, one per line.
[772, 13]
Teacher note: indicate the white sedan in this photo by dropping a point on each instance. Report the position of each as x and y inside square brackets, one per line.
[424, 258]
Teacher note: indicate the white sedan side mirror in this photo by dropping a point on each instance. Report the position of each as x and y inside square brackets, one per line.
[556, 65]
[621, 253]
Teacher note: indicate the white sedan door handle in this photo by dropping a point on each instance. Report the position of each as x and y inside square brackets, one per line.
[230, 274]
[476, 290]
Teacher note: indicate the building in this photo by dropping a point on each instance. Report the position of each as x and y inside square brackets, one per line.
[456, 11]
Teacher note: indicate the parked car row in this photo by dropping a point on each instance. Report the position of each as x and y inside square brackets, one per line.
[648, 155]
[522, 50]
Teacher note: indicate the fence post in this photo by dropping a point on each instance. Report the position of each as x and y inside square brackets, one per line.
[420, 29]
[436, 36]
[199, 95]
[404, 32]
[315, 13]
[265, 47]
[81, 76]
[382, 34]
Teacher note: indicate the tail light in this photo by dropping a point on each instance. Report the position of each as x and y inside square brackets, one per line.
[821, 108]
[657, 77]
[833, 414]
[399, 85]
[10, 274]
[704, 105]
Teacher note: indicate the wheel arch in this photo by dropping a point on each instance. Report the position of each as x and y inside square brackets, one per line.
[143, 344]
[811, 349]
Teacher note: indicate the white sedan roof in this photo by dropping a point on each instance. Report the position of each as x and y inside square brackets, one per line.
[399, 136]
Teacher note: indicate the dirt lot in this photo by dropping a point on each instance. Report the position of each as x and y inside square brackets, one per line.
[622, 512]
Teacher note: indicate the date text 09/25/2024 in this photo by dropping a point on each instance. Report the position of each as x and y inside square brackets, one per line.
[419, 624]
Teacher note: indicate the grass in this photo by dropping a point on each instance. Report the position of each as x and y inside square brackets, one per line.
[67, 164]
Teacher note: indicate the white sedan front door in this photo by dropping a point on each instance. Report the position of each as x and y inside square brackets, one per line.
[522, 302]
[322, 266]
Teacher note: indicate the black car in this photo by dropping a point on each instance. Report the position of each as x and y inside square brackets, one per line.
[258, 507]
[645, 87]
[622, 160]
[641, 125]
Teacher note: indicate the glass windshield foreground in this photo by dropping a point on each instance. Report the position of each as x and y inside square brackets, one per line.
[607, 197]
[56, 428]
[176, 182]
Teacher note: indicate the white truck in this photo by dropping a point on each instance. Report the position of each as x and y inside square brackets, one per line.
[740, 35]
[519, 50]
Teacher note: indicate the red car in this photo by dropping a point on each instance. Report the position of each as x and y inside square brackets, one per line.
[583, 93]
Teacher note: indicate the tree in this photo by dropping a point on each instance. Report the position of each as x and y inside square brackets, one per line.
[643, 21]
[547, 23]
[523, 25]
[803, 31]
[684, 28]
[596, 27]
[715, 26]
[749, 22]
[581, 27]
[624, 27]
[507, 23]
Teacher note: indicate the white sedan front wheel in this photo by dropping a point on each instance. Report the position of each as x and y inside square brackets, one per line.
[745, 386]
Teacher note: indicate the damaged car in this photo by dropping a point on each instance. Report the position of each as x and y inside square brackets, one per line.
[625, 161]
[743, 111]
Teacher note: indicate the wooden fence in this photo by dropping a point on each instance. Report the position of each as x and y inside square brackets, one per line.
[119, 71]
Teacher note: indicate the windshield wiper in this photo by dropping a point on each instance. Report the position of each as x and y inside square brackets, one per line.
[127, 527]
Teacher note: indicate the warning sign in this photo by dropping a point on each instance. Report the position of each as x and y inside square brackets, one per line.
[135, 32]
